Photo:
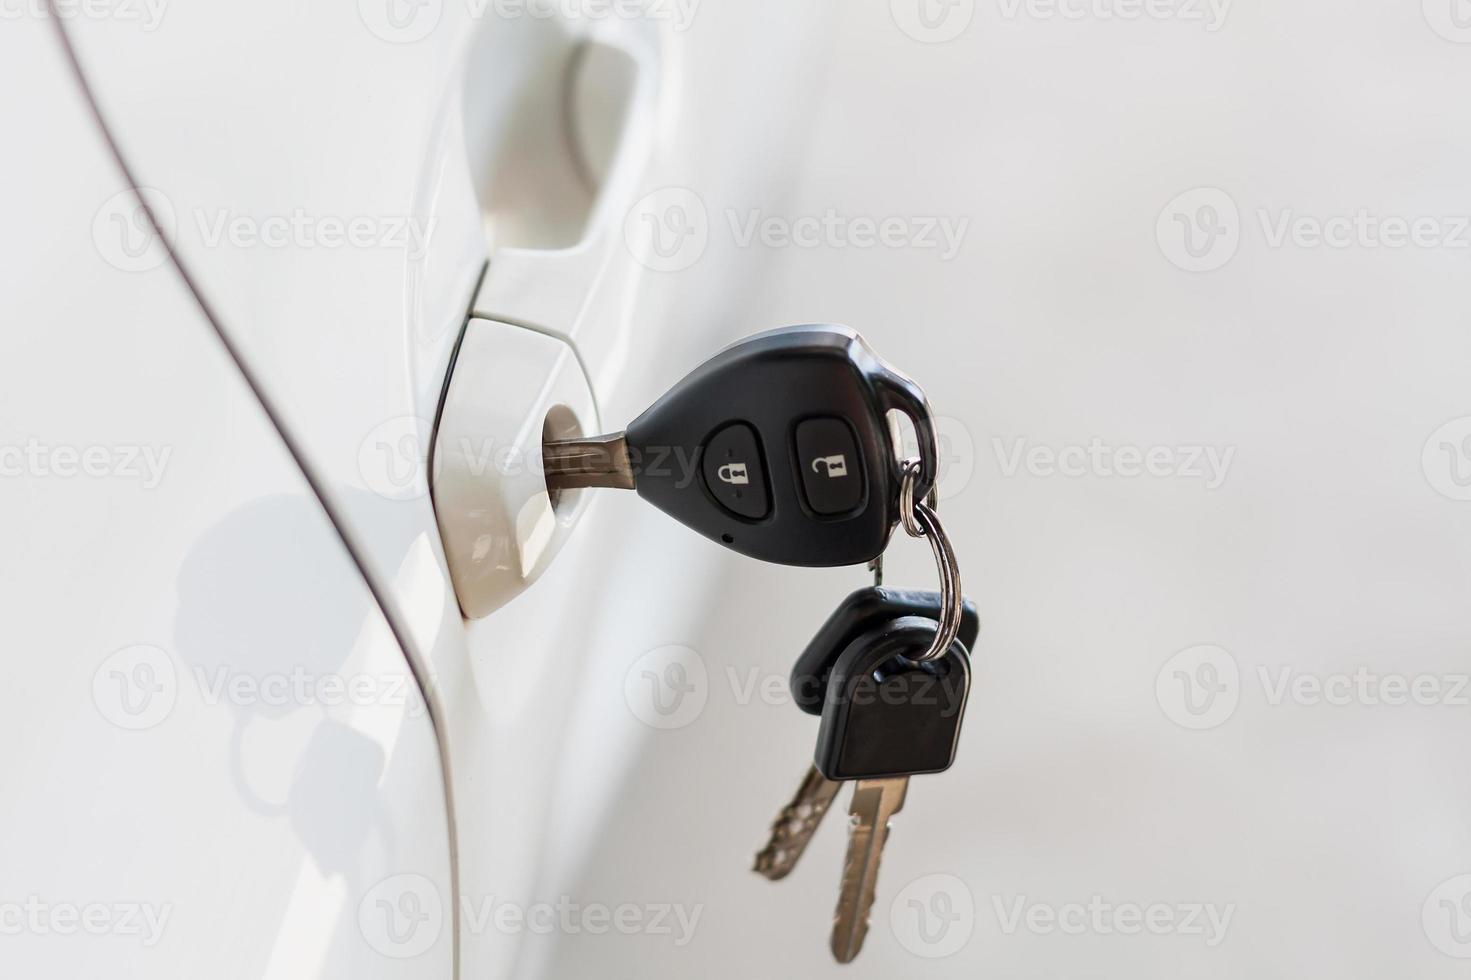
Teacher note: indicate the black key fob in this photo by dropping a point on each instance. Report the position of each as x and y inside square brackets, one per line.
[779, 447]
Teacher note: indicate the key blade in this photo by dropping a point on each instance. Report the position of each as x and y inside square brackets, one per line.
[573, 464]
[794, 826]
[874, 802]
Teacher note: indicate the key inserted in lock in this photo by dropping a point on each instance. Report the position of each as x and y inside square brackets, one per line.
[778, 447]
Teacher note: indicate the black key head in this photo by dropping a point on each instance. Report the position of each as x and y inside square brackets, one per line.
[862, 612]
[885, 715]
[779, 447]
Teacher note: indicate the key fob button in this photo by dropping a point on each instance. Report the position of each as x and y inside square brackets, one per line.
[734, 473]
[832, 469]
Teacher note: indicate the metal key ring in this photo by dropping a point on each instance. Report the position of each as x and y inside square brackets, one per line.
[921, 520]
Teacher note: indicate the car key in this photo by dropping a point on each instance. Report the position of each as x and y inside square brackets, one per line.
[794, 826]
[861, 612]
[886, 717]
[779, 447]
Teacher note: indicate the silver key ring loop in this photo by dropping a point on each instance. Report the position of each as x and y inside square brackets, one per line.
[921, 520]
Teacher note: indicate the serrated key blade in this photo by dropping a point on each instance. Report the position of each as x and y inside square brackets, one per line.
[874, 802]
[795, 824]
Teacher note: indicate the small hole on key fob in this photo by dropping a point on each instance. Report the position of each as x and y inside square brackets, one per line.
[560, 424]
[727, 539]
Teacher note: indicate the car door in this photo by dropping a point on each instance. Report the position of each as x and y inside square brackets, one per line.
[358, 196]
[218, 760]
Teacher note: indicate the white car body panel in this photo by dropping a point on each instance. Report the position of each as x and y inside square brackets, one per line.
[218, 757]
[520, 695]
[1047, 311]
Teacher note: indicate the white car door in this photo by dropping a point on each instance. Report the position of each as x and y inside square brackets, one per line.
[1204, 433]
[217, 759]
[340, 187]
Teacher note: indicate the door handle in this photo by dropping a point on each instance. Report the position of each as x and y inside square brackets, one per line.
[556, 173]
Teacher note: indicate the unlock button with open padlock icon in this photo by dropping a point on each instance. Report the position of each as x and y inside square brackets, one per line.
[830, 466]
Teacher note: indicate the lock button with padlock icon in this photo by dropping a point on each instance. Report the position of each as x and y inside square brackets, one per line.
[734, 471]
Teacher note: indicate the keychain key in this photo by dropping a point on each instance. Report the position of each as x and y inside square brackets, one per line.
[886, 717]
[889, 672]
